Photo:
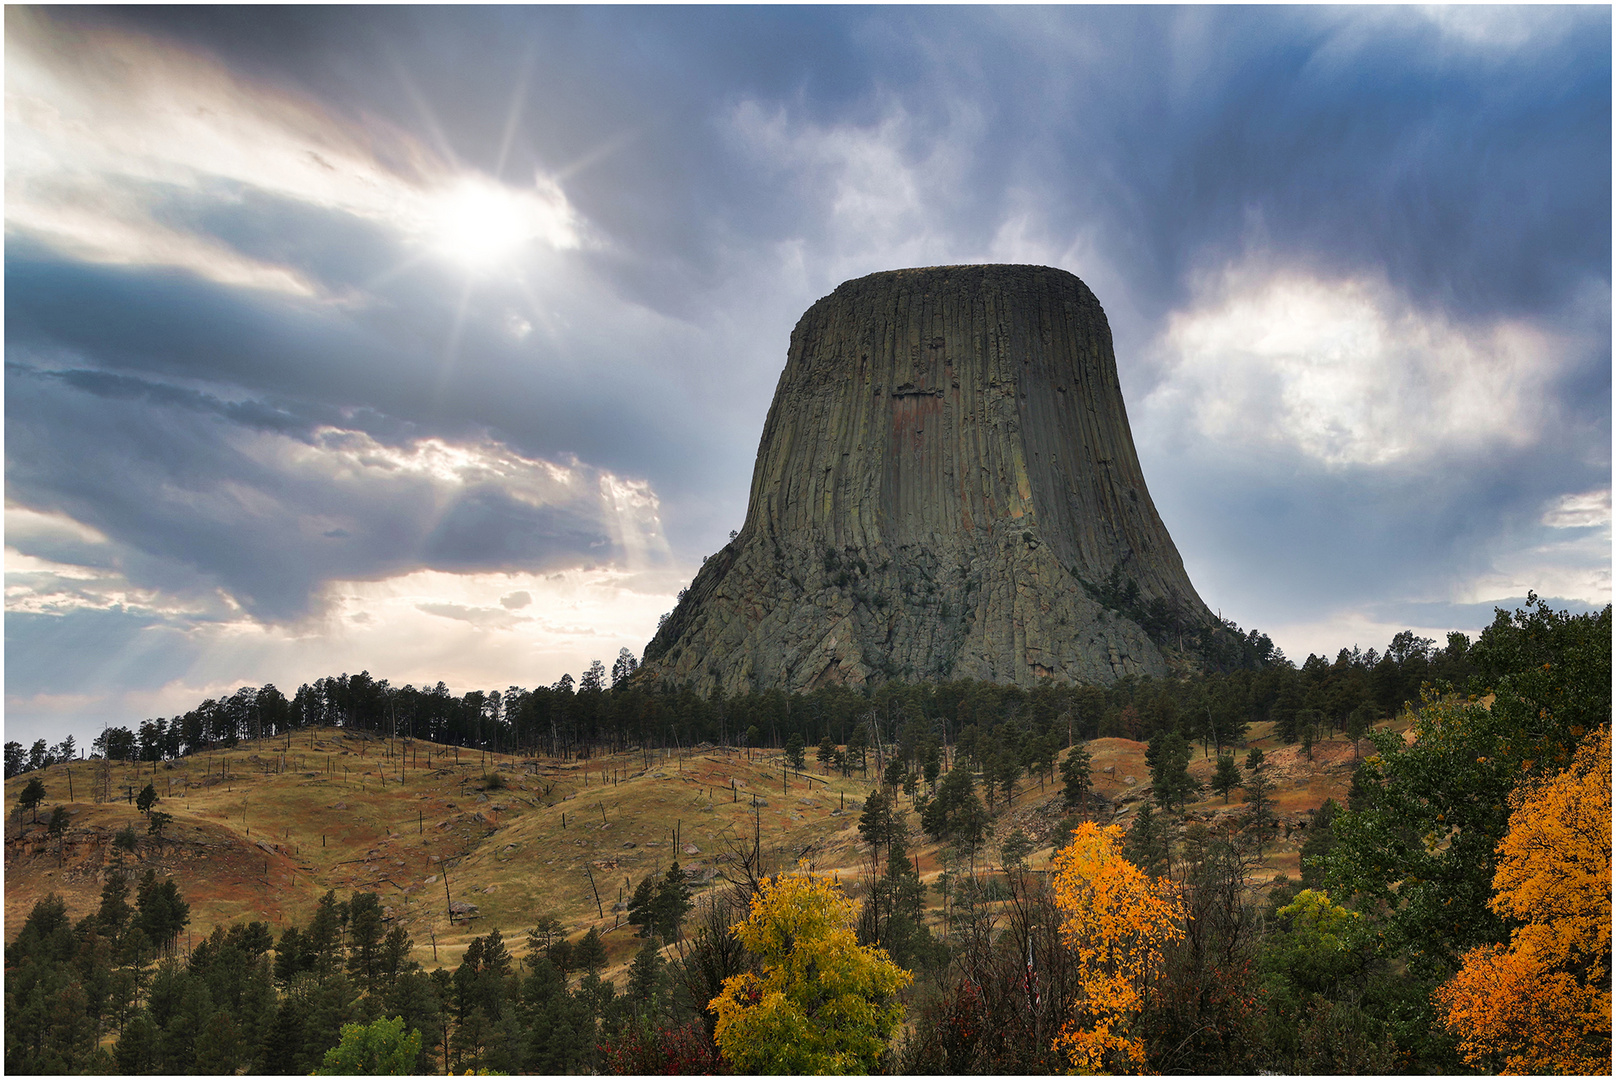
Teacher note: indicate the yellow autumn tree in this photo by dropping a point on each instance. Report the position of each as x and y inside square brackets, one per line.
[1115, 918]
[824, 1004]
[1542, 1004]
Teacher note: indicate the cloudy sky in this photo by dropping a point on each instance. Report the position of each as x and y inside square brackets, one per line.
[438, 341]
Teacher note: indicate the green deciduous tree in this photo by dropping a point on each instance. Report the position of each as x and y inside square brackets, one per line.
[382, 1048]
[823, 1004]
[1419, 839]
[1316, 963]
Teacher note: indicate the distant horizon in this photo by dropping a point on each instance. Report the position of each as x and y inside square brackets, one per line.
[438, 341]
[83, 738]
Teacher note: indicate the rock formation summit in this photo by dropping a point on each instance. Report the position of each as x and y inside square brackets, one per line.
[946, 488]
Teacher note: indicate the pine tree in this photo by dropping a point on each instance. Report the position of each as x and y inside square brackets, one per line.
[1146, 845]
[647, 976]
[671, 904]
[394, 957]
[365, 933]
[590, 952]
[1168, 756]
[136, 1051]
[640, 905]
[876, 822]
[1227, 777]
[1075, 772]
[57, 827]
[1260, 822]
[162, 913]
[322, 941]
[795, 748]
[1320, 839]
[33, 793]
[290, 955]
[547, 930]
[954, 813]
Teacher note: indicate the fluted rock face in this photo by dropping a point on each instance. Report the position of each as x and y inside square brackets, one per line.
[946, 488]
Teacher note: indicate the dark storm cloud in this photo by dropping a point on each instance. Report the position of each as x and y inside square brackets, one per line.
[1272, 538]
[1465, 168]
[486, 529]
[386, 367]
[163, 471]
[1463, 176]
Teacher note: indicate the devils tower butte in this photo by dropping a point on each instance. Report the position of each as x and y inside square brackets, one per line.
[946, 488]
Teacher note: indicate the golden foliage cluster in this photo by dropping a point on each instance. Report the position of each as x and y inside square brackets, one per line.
[1116, 919]
[1542, 1004]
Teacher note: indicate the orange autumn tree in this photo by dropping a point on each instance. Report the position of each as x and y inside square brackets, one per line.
[1115, 918]
[1542, 1004]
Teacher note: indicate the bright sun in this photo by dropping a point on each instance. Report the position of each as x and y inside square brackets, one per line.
[480, 224]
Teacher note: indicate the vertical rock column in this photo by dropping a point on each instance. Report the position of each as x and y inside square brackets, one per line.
[946, 487]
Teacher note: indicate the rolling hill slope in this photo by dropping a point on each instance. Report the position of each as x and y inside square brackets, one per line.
[263, 829]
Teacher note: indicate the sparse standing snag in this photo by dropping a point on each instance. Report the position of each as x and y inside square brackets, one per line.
[590, 871]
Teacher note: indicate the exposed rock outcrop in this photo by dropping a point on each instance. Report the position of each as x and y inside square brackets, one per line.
[946, 488]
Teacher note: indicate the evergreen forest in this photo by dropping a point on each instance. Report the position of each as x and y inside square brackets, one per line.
[1452, 913]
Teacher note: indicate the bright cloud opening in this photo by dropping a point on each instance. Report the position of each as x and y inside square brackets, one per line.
[480, 224]
[417, 628]
[1591, 509]
[100, 124]
[1347, 372]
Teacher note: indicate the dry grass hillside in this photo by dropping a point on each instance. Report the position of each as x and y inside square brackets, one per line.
[262, 830]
